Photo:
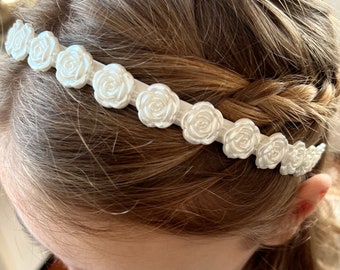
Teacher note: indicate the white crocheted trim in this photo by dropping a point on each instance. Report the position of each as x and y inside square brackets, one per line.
[157, 105]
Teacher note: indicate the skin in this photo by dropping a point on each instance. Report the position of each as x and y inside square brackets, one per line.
[146, 249]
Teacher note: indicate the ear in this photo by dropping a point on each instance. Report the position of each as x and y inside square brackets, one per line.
[308, 196]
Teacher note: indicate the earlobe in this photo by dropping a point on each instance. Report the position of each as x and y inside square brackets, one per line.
[308, 196]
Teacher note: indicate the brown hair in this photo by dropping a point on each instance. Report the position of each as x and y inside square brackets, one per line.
[274, 62]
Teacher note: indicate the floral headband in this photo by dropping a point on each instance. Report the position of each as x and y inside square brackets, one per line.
[157, 105]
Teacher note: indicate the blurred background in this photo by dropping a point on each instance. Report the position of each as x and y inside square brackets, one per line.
[6, 19]
[17, 252]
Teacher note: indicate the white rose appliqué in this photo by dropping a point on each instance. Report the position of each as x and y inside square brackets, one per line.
[157, 106]
[18, 40]
[74, 66]
[271, 151]
[43, 51]
[113, 86]
[312, 157]
[293, 159]
[201, 125]
[241, 140]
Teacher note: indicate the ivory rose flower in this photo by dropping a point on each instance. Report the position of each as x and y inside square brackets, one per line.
[271, 151]
[241, 140]
[293, 159]
[312, 157]
[113, 86]
[74, 66]
[43, 51]
[18, 40]
[158, 106]
[202, 123]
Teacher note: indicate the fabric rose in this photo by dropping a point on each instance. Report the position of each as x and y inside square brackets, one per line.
[316, 154]
[241, 140]
[113, 86]
[201, 125]
[271, 151]
[158, 106]
[43, 51]
[18, 40]
[293, 159]
[312, 157]
[74, 66]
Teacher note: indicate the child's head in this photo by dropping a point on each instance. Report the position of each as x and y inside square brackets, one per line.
[81, 173]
